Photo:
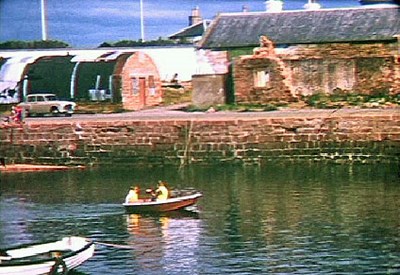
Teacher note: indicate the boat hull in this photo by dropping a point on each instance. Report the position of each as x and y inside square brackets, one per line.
[171, 204]
[22, 263]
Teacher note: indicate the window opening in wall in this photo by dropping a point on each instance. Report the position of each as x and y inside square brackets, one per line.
[152, 86]
[261, 78]
[135, 86]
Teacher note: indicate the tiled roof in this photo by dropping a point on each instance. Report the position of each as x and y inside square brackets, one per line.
[304, 26]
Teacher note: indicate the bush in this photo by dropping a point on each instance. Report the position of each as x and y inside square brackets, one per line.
[140, 43]
[38, 44]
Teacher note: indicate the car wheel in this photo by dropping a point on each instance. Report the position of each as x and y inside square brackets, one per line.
[54, 110]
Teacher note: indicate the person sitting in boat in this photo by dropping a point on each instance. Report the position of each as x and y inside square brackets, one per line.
[133, 195]
[162, 192]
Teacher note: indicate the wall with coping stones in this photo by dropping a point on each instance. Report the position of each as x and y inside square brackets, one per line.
[344, 138]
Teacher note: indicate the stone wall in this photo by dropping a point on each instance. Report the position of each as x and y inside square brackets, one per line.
[321, 136]
[275, 86]
[209, 90]
[210, 84]
[304, 70]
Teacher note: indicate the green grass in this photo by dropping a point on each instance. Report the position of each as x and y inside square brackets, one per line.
[324, 101]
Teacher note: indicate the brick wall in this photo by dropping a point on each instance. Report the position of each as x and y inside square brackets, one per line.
[140, 66]
[322, 136]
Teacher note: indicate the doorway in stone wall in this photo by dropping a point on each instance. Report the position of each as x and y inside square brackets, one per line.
[142, 91]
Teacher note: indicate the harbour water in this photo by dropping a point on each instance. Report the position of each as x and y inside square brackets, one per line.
[276, 219]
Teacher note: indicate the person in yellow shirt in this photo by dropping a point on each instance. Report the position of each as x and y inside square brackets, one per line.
[162, 191]
[133, 195]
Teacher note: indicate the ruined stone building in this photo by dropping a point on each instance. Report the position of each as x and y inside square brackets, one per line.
[280, 56]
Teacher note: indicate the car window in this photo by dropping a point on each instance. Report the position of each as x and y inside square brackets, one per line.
[31, 99]
[40, 98]
[51, 98]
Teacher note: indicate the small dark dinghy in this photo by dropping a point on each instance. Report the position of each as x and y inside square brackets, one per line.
[46, 258]
[171, 204]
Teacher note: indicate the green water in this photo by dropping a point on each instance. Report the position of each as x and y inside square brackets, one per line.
[286, 219]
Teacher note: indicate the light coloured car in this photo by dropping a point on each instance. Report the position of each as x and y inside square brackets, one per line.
[40, 104]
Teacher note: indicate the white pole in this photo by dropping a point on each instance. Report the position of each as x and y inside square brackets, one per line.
[98, 77]
[110, 86]
[43, 7]
[25, 84]
[141, 20]
[73, 80]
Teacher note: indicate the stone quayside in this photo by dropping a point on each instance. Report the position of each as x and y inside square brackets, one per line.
[346, 135]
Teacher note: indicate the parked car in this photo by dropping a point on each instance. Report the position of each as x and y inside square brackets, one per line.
[40, 104]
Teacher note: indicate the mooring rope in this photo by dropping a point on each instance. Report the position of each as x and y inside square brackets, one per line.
[186, 156]
[121, 246]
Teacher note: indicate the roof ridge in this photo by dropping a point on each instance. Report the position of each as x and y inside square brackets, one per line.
[302, 27]
[374, 7]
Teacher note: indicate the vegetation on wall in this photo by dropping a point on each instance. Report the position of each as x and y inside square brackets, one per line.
[241, 52]
[316, 101]
[336, 100]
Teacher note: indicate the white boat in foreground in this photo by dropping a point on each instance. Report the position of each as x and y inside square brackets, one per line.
[46, 258]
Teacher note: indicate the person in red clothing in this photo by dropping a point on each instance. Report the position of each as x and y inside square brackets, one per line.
[17, 114]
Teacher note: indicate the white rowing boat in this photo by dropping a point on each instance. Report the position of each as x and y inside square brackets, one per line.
[46, 258]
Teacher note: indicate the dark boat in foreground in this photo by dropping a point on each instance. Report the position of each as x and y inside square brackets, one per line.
[56, 257]
[171, 204]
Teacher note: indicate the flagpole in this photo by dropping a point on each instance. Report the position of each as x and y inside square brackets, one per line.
[43, 7]
[141, 21]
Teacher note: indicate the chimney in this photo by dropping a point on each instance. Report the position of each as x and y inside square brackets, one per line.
[312, 5]
[274, 5]
[195, 17]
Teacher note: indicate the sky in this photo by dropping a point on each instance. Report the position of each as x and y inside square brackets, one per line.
[89, 23]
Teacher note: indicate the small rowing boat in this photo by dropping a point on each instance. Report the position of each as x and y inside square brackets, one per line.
[56, 257]
[171, 204]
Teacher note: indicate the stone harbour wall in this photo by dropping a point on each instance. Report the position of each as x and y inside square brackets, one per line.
[322, 136]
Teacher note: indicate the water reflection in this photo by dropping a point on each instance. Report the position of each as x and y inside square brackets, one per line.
[308, 219]
[167, 242]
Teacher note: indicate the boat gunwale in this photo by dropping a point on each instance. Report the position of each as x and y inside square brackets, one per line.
[26, 262]
[167, 201]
